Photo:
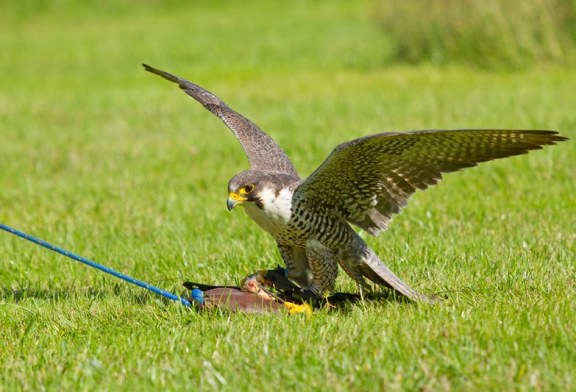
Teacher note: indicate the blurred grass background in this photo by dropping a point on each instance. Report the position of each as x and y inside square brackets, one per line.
[115, 164]
[493, 34]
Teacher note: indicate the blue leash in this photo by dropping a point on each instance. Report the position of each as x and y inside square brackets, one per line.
[92, 264]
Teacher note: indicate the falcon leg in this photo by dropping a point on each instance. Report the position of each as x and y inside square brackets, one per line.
[297, 268]
[324, 267]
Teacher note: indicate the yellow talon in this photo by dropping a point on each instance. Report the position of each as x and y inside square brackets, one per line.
[298, 308]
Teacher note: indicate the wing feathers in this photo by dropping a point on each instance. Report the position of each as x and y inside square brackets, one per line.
[262, 151]
[367, 180]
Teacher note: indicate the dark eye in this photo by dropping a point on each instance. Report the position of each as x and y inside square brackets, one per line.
[249, 188]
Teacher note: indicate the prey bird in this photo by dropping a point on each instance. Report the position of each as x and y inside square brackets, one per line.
[363, 182]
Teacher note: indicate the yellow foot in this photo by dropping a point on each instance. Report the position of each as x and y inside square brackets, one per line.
[298, 308]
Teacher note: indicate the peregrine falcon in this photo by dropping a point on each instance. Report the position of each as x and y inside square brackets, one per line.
[363, 182]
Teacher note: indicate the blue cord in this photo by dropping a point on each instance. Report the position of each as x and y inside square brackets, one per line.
[92, 264]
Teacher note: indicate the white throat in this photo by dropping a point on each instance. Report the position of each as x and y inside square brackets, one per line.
[276, 211]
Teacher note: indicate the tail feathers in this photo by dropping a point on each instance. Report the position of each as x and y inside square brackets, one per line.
[374, 269]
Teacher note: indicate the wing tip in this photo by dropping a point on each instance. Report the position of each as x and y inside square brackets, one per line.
[182, 83]
[205, 97]
[164, 74]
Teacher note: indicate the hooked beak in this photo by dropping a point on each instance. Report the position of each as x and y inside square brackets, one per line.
[233, 200]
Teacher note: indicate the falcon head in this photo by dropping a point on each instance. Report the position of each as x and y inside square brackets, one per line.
[253, 186]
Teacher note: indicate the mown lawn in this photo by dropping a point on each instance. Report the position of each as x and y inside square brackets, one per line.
[115, 164]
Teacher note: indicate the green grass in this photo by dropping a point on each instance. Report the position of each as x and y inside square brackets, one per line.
[115, 164]
[489, 34]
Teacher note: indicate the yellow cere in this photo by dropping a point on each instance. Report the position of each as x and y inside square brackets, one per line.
[237, 197]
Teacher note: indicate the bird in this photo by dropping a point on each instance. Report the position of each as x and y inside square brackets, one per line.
[261, 292]
[234, 299]
[363, 183]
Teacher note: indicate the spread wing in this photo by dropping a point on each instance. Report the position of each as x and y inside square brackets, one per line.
[262, 151]
[367, 180]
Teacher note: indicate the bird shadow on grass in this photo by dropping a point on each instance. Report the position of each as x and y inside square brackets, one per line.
[339, 302]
